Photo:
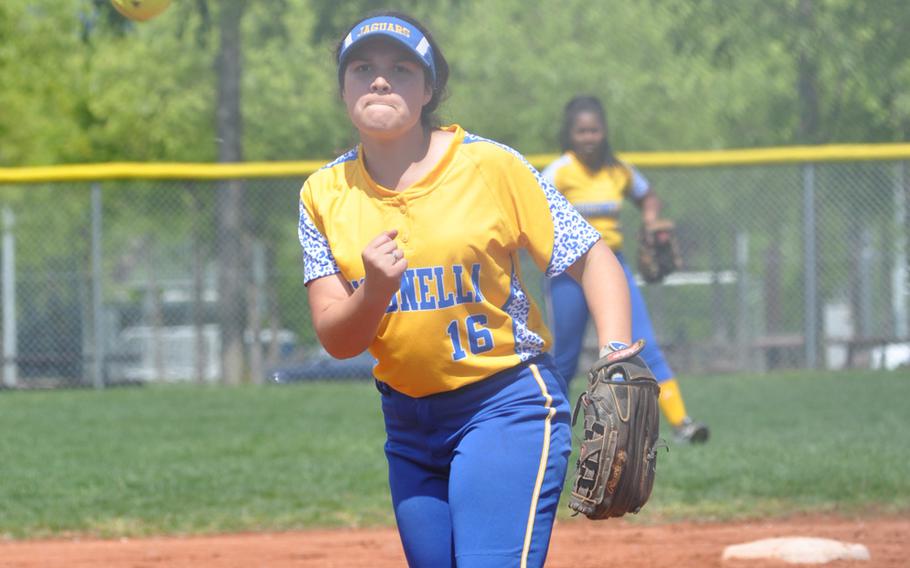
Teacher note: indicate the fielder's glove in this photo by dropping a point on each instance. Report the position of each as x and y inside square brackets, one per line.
[658, 250]
[617, 458]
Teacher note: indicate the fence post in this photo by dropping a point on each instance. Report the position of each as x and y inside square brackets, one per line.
[742, 300]
[255, 308]
[10, 345]
[867, 266]
[899, 276]
[810, 265]
[97, 311]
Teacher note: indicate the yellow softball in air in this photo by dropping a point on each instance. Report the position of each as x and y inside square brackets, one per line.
[141, 10]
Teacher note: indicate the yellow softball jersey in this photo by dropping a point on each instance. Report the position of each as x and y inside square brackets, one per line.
[462, 312]
[599, 195]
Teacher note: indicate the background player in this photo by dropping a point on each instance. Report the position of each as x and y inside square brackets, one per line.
[596, 183]
[411, 248]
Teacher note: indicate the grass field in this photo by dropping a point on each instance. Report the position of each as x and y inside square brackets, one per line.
[127, 462]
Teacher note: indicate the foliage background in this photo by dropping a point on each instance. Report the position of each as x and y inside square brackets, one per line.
[81, 84]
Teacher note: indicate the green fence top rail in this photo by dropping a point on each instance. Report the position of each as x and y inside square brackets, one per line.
[695, 159]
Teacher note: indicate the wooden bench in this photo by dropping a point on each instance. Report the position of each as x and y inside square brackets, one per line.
[781, 350]
[859, 349]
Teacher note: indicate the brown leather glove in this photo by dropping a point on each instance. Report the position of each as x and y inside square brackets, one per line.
[617, 458]
[658, 250]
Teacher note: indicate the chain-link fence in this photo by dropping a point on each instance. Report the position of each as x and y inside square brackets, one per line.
[788, 264]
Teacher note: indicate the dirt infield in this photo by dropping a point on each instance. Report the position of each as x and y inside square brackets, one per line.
[629, 545]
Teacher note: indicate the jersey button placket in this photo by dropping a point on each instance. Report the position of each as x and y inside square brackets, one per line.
[404, 230]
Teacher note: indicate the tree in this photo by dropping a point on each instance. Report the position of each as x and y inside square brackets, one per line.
[232, 277]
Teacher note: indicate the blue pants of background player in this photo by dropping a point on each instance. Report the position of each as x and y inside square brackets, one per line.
[568, 313]
[476, 473]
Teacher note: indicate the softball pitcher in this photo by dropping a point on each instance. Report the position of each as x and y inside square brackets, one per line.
[596, 183]
[411, 246]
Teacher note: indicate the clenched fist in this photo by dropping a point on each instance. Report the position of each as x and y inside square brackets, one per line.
[383, 265]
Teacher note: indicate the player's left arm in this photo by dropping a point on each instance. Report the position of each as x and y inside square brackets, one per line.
[643, 195]
[607, 293]
[650, 206]
[658, 247]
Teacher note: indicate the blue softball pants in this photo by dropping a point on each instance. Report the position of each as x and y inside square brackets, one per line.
[568, 314]
[476, 473]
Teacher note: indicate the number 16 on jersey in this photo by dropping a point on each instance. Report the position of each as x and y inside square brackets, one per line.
[479, 339]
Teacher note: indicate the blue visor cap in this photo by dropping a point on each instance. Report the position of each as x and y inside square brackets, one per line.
[389, 26]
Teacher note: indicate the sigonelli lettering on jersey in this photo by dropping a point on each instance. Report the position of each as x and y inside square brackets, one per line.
[434, 288]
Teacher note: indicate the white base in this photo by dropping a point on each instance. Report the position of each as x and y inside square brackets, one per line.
[797, 550]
